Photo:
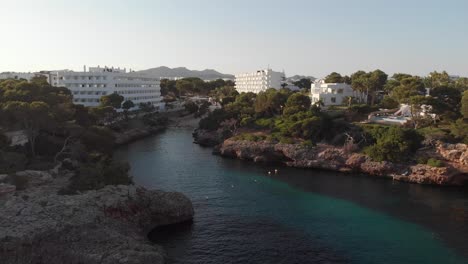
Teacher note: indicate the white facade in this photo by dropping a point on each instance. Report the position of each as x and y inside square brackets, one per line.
[17, 75]
[88, 87]
[259, 81]
[330, 93]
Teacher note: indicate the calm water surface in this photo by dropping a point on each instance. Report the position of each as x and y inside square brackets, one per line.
[297, 216]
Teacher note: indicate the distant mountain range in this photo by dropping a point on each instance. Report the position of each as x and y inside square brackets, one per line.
[166, 72]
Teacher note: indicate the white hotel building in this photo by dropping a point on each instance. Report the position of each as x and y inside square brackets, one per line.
[330, 93]
[88, 87]
[259, 81]
[17, 75]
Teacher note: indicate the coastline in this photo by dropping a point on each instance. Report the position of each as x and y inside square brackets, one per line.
[108, 225]
[328, 157]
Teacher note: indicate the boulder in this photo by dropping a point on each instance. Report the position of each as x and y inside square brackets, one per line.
[375, 168]
[457, 153]
[355, 161]
[35, 177]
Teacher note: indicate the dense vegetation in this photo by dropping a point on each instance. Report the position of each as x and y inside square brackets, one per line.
[172, 89]
[56, 130]
[288, 117]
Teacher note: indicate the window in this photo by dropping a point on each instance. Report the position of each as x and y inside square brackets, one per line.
[340, 91]
[333, 99]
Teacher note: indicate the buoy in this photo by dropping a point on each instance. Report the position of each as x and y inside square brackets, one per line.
[232, 186]
[276, 171]
[269, 172]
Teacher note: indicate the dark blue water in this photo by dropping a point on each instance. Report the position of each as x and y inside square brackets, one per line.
[297, 216]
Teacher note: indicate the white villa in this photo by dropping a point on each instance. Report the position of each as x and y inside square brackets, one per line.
[87, 87]
[330, 93]
[259, 81]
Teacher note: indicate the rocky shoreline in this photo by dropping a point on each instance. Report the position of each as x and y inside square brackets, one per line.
[110, 225]
[134, 134]
[328, 157]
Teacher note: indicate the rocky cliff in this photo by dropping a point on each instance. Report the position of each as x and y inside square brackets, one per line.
[207, 138]
[37, 225]
[328, 157]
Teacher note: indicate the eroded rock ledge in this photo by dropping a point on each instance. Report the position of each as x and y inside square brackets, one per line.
[328, 157]
[104, 226]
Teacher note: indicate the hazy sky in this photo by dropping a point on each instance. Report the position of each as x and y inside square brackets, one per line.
[300, 36]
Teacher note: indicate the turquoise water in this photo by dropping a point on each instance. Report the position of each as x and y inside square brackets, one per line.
[243, 215]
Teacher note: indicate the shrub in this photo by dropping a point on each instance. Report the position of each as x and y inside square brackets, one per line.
[362, 108]
[214, 119]
[389, 103]
[265, 122]
[286, 140]
[99, 139]
[307, 144]
[459, 129]
[433, 134]
[96, 175]
[435, 163]
[393, 144]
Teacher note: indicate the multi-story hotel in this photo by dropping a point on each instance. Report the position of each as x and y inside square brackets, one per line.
[330, 93]
[17, 75]
[88, 87]
[259, 81]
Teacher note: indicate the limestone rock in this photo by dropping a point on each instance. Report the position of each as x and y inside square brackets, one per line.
[323, 156]
[457, 153]
[36, 177]
[103, 226]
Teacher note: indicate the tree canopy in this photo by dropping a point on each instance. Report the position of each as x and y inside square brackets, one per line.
[114, 100]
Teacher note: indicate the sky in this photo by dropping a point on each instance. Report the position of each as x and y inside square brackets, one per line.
[304, 37]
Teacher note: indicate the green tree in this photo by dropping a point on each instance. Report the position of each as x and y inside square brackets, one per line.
[115, 100]
[297, 102]
[303, 83]
[168, 87]
[464, 105]
[393, 144]
[146, 107]
[224, 94]
[334, 77]
[369, 83]
[389, 103]
[448, 101]
[191, 107]
[359, 84]
[461, 84]
[408, 86]
[270, 102]
[103, 113]
[437, 79]
[127, 105]
[32, 117]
